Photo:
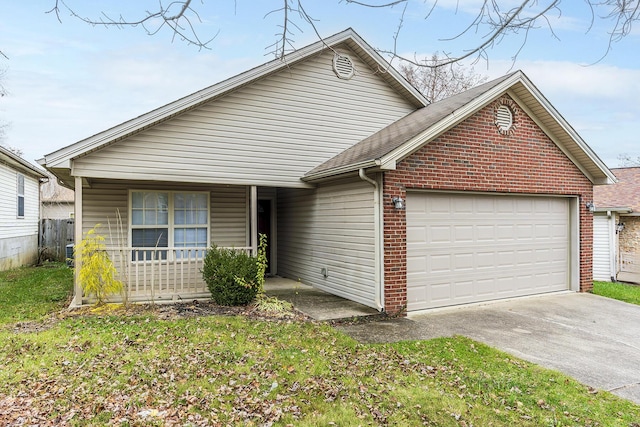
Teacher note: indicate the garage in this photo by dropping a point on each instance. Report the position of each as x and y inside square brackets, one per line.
[465, 248]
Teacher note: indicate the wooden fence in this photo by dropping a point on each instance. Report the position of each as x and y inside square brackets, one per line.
[54, 236]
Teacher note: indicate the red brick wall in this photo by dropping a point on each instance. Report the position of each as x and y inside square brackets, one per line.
[474, 156]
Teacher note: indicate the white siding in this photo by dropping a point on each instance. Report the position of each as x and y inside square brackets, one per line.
[18, 236]
[10, 225]
[602, 247]
[269, 133]
[104, 202]
[330, 228]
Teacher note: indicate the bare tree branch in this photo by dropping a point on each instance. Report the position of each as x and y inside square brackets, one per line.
[499, 23]
[439, 82]
[180, 23]
[362, 3]
[495, 20]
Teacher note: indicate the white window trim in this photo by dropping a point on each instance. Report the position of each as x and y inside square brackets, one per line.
[19, 195]
[170, 222]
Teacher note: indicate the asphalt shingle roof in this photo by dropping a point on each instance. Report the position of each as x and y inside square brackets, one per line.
[624, 193]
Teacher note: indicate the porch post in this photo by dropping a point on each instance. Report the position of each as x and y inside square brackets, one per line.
[77, 289]
[254, 220]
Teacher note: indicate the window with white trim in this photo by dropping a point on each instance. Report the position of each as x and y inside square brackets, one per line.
[20, 192]
[168, 219]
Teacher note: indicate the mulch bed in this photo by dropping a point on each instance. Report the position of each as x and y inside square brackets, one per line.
[181, 310]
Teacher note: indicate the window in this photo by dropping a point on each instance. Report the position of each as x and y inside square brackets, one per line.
[168, 219]
[190, 220]
[20, 191]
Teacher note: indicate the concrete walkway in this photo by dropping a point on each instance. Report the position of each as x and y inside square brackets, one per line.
[317, 304]
[595, 340]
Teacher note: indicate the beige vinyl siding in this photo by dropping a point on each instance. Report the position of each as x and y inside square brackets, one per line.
[229, 216]
[330, 228]
[103, 202]
[10, 225]
[268, 133]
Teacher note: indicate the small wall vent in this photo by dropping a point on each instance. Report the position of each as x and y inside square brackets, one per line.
[343, 66]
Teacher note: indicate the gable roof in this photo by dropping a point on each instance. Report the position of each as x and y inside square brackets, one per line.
[383, 149]
[62, 158]
[18, 163]
[623, 195]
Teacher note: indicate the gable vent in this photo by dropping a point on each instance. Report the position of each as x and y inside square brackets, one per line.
[504, 119]
[343, 66]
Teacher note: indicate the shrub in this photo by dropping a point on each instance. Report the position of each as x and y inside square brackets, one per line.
[230, 276]
[97, 273]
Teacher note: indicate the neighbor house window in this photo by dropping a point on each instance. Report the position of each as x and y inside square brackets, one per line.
[20, 191]
[168, 219]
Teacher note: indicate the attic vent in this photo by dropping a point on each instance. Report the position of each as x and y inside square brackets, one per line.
[504, 119]
[343, 66]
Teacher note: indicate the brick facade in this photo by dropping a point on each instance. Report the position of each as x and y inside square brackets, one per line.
[474, 156]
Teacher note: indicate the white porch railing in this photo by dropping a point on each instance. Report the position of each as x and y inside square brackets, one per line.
[161, 274]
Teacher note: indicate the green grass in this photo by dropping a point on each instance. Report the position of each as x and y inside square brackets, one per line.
[30, 293]
[118, 369]
[619, 291]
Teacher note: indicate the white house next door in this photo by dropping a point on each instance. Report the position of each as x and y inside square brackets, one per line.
[465, 248]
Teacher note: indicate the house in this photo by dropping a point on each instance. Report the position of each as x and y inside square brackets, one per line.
[616, 228]
[364, 189]
[57, 201]
[19, 210]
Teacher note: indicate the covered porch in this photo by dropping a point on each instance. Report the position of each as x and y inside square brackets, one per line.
[157, 234]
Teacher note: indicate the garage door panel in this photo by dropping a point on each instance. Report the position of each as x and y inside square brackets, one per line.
[484, 247]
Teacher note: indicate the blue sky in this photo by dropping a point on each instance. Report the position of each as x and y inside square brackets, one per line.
[69, 80]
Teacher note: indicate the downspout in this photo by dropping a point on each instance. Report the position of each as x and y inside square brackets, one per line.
[377, 224]
[613, 244]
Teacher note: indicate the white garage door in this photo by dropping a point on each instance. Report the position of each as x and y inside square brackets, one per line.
[471, 248]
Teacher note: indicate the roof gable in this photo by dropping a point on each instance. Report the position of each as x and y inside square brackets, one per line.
[62, 158]
[390, 145]
[267, 133]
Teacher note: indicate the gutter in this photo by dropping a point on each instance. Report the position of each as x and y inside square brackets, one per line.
[378, 264]
[331, 172]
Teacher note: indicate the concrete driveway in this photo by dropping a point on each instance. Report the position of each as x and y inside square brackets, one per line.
[595, 340]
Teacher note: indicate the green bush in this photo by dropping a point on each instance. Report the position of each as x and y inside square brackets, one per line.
[230, 276]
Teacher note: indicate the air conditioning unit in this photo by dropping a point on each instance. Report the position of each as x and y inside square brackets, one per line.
[69, 255]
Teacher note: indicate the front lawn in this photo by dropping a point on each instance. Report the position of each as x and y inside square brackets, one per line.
[619, 291]
[135, 368]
